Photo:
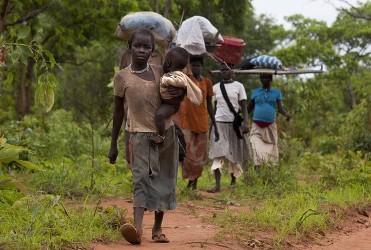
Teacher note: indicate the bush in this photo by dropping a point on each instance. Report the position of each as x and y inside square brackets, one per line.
[356, 130]
[337, 171]
[325, 144]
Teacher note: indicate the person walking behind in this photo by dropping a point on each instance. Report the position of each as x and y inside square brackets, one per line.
[263, 135]
[194, 123]
[231, 145]
[154, 168]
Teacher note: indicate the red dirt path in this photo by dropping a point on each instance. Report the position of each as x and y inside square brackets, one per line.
[186, 230]
[353, 234]
[360, 240]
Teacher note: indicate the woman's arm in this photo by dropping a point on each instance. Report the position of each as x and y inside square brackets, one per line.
[245, 126]
[250, 106]
[211, 112]
[118, 117]
[282, 111]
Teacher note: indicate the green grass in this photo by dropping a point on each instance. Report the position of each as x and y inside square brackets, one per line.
[273, 200]
[65, 177]
[44, 222]
[302, 213]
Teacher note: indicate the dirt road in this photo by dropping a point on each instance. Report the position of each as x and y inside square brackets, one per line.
[359, 240]
[353, 234]
[186, 230]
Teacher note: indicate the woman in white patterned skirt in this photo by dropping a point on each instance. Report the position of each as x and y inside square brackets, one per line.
[231, 145]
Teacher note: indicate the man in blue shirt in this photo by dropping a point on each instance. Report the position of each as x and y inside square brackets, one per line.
[263, 135]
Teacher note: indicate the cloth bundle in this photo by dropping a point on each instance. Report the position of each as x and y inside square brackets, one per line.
[195, 33]
[162, 28]
[265, 61]
[180, 80]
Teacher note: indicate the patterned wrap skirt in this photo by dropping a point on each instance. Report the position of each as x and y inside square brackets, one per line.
[155, 169]
[229, 145]
[196, 154]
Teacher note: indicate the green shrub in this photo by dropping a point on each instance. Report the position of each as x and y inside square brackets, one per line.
[325, 144]
[356, 130]
[337, 170]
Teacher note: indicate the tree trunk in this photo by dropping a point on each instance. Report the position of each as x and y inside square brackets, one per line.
[4, 10]
[351, 94]
[24, 94]
[18, 96]
[167, 8]
[157, 6]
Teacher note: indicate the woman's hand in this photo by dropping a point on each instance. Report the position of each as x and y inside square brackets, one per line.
[216, 134]
[245, 128]
[112, 155]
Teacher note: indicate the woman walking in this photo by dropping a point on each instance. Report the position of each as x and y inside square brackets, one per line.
[231, 146]
[154, 167]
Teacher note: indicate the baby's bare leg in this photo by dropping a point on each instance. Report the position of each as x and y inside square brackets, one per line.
[164, 112]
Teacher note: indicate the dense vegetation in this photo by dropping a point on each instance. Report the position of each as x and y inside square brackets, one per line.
[55, 120]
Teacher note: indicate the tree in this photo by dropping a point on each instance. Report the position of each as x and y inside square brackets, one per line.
[86, 42]
[351, 37]
[361, 12]
[29, 61]
[327, 101]
[50, 30]
[344, 48]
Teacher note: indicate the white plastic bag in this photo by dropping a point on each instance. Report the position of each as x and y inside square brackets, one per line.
[161, 27]
[195, 33]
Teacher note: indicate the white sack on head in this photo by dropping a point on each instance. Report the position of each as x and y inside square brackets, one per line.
[161, 27]
[195, 33]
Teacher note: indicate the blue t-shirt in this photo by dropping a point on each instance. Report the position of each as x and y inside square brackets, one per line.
[265, 104]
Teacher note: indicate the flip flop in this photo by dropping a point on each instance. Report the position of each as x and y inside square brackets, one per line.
[160, 238]
[131, 234]
[213, 190]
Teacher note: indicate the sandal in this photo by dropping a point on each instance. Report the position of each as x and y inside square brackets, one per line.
[213, 190]
[160, 238]
[131, 234]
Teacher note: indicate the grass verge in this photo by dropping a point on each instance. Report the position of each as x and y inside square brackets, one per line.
[43, 222]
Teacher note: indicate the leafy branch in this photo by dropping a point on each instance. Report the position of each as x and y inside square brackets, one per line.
[20, 51]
